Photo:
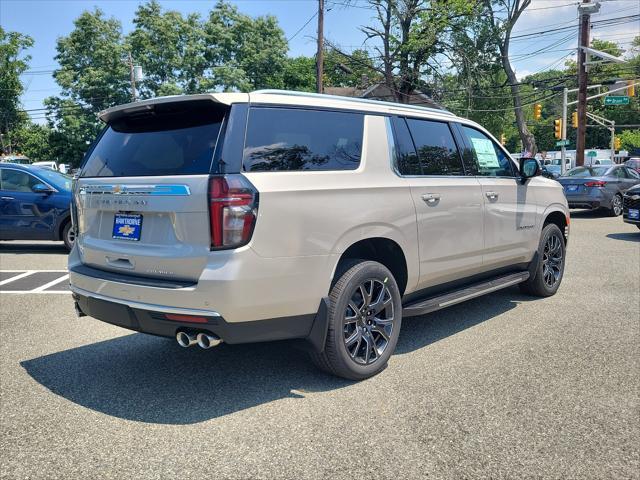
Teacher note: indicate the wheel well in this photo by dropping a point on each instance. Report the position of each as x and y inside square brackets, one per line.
[382, 250]
[559, 219]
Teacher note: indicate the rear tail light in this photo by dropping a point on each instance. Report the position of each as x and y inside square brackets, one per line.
[233, 209]
[596, 183]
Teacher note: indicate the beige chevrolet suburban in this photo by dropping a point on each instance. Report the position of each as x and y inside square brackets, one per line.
[249, 217]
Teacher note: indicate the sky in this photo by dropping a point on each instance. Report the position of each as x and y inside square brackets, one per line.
[47, 20]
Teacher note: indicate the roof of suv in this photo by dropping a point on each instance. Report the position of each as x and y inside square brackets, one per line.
[280, 97]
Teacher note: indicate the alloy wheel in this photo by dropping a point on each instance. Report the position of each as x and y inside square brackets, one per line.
[368, 321]
[552, 258]
[71, 236]
[617, 205]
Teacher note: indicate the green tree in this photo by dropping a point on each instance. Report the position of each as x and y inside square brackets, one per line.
[13, 63]
[170, 49]
[32, 140]
[411, 33]
[243, 53]
[92, 57]
[629, 140]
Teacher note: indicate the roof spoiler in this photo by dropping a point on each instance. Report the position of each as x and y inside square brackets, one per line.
[114, 113]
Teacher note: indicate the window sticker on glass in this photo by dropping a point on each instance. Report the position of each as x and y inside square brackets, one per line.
[485, 152]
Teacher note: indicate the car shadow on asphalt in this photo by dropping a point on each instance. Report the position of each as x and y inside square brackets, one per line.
[149, 379]
[588, 213]
[629, 236]
[28, 248]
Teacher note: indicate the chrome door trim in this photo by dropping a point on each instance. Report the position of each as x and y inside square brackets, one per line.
[125, 189]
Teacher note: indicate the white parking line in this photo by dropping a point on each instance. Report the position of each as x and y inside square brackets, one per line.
[40, 289]
[50, 284]
[17, 277]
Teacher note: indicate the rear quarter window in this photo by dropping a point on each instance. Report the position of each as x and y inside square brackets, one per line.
[166, 141]
[289, 139]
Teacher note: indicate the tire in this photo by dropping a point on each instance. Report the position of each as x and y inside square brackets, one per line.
[68, 236]
[616, 206]
[362, 334]
[549, 270]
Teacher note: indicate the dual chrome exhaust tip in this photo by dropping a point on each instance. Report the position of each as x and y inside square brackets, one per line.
[204, 340]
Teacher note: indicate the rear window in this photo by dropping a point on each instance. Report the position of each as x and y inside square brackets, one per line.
[587, 172]
[286, 139]
[171, 139]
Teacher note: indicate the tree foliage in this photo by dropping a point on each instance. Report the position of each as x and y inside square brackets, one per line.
[13, 63]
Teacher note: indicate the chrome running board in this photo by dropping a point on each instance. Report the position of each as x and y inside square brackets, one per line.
[432, 304]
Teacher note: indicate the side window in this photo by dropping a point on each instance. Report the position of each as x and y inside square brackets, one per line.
[488, 159]
[407, 158]
[289, 139]
[632, 174]
[17, 181]
[436, 148]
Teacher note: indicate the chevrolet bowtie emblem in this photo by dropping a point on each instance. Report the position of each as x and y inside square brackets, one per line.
[117, 188]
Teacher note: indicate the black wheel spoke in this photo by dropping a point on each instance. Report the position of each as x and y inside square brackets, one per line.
[552, 259]
[368, 321]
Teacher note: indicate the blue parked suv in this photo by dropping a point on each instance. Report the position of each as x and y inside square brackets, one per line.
[35, 204]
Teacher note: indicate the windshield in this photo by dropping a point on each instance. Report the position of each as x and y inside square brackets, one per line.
[58, 180]
[587, 172]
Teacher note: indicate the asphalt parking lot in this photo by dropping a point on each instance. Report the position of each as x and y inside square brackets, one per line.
[504, 386]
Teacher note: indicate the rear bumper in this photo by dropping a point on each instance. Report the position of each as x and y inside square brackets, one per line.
[596, 198]
[151, 319]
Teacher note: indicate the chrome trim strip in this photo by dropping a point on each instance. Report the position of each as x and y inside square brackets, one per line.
[145, 306]
[124, 189]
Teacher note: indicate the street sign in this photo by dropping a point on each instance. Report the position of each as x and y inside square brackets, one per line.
[616, 100]
[562, 143]
[592, 153]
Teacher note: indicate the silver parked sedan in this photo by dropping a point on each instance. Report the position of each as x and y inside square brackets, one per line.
[598, 186]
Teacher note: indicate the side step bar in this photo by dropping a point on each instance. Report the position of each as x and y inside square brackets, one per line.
[436, 303]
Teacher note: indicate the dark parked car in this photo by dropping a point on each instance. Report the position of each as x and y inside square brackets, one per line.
[598, 187]
[631, 206]
[35, 204]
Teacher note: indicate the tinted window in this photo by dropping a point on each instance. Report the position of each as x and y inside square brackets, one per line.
[285, 139]
[160, 142]
[632, 174]
[488, 159]
[587, 172]
[407, 158]
[436, 148]
[17, 181]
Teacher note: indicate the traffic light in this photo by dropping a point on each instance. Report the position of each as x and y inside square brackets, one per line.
[537, 111]
[557, 128]
[574, 119]
[503, 139]
[616, 143]
[631, 89]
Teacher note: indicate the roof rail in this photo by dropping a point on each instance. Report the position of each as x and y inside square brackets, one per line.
[355, 100]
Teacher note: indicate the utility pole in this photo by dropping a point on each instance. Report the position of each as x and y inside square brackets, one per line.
[134, 95]
[584, 11]
[563, 149]
[320, 53]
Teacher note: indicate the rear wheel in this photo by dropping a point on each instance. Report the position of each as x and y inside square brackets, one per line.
[548, 273]
[616, 206]
[365, 315]
[68, 236]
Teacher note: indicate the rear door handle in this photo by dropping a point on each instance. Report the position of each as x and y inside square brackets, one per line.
[431, 198]
[491, 195]
[7, 198]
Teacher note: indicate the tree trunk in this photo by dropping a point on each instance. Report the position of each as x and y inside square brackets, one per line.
[528, 140]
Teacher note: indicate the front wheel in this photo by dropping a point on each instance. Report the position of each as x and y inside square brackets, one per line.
[549, 269]
[365, 315]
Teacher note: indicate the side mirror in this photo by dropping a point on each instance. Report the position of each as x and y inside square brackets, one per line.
[41, 188]
[529, 167]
